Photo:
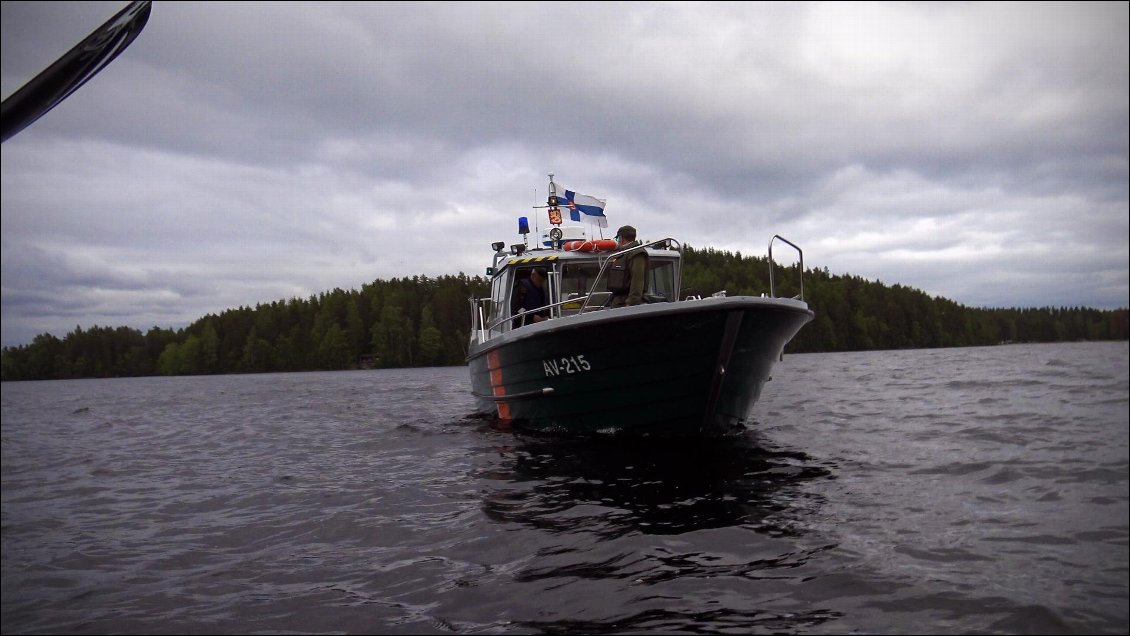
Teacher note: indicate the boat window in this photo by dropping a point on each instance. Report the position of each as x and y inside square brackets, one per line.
[661, 281]
[577, 278]
[498, 296]
[548, 291]
[576, 281]
[515, 299]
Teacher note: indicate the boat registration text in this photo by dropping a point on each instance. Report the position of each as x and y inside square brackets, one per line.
[567, 365]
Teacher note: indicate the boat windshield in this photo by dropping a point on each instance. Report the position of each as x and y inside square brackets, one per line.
[577, 279]
[567, 286]
[661, 281]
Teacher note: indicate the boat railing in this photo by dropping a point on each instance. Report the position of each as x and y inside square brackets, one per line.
[480, 319]
[772, 289]
[666, 242]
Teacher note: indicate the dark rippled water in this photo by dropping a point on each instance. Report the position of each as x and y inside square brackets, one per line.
[938, 491]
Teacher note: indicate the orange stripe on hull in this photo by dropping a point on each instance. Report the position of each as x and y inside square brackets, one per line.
[497, 386]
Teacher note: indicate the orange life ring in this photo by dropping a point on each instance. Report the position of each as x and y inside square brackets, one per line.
[601, 245]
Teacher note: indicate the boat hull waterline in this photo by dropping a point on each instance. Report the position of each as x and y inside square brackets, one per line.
[690, 367]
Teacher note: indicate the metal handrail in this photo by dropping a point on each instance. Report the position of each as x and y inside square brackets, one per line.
[772, 291]
[559, 303]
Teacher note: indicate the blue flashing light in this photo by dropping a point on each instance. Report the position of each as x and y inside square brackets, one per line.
[523, 225]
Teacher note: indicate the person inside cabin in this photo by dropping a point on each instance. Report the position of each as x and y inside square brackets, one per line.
[529, 295]
[627, 275]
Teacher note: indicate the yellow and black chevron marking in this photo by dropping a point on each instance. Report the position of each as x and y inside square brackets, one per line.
[533, 259]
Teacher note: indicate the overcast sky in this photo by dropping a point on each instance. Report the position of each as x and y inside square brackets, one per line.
[242, 153]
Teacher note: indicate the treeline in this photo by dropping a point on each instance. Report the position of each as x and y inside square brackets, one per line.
[408, 322]
[420, 321]
[854, 314]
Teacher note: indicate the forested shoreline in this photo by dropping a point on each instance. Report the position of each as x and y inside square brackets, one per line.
[422, 321]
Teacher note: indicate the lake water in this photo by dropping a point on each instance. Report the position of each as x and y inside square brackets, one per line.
[931, 491]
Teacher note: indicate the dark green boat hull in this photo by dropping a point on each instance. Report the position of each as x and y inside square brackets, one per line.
[690, 367]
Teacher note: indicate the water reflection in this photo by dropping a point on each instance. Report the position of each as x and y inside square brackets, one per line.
[616, 486]
[660, 535]
[723, 621]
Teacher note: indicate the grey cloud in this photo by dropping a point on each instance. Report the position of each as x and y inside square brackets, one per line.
[974, 151]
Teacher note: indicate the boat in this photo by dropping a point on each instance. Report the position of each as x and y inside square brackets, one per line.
[670, 365]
